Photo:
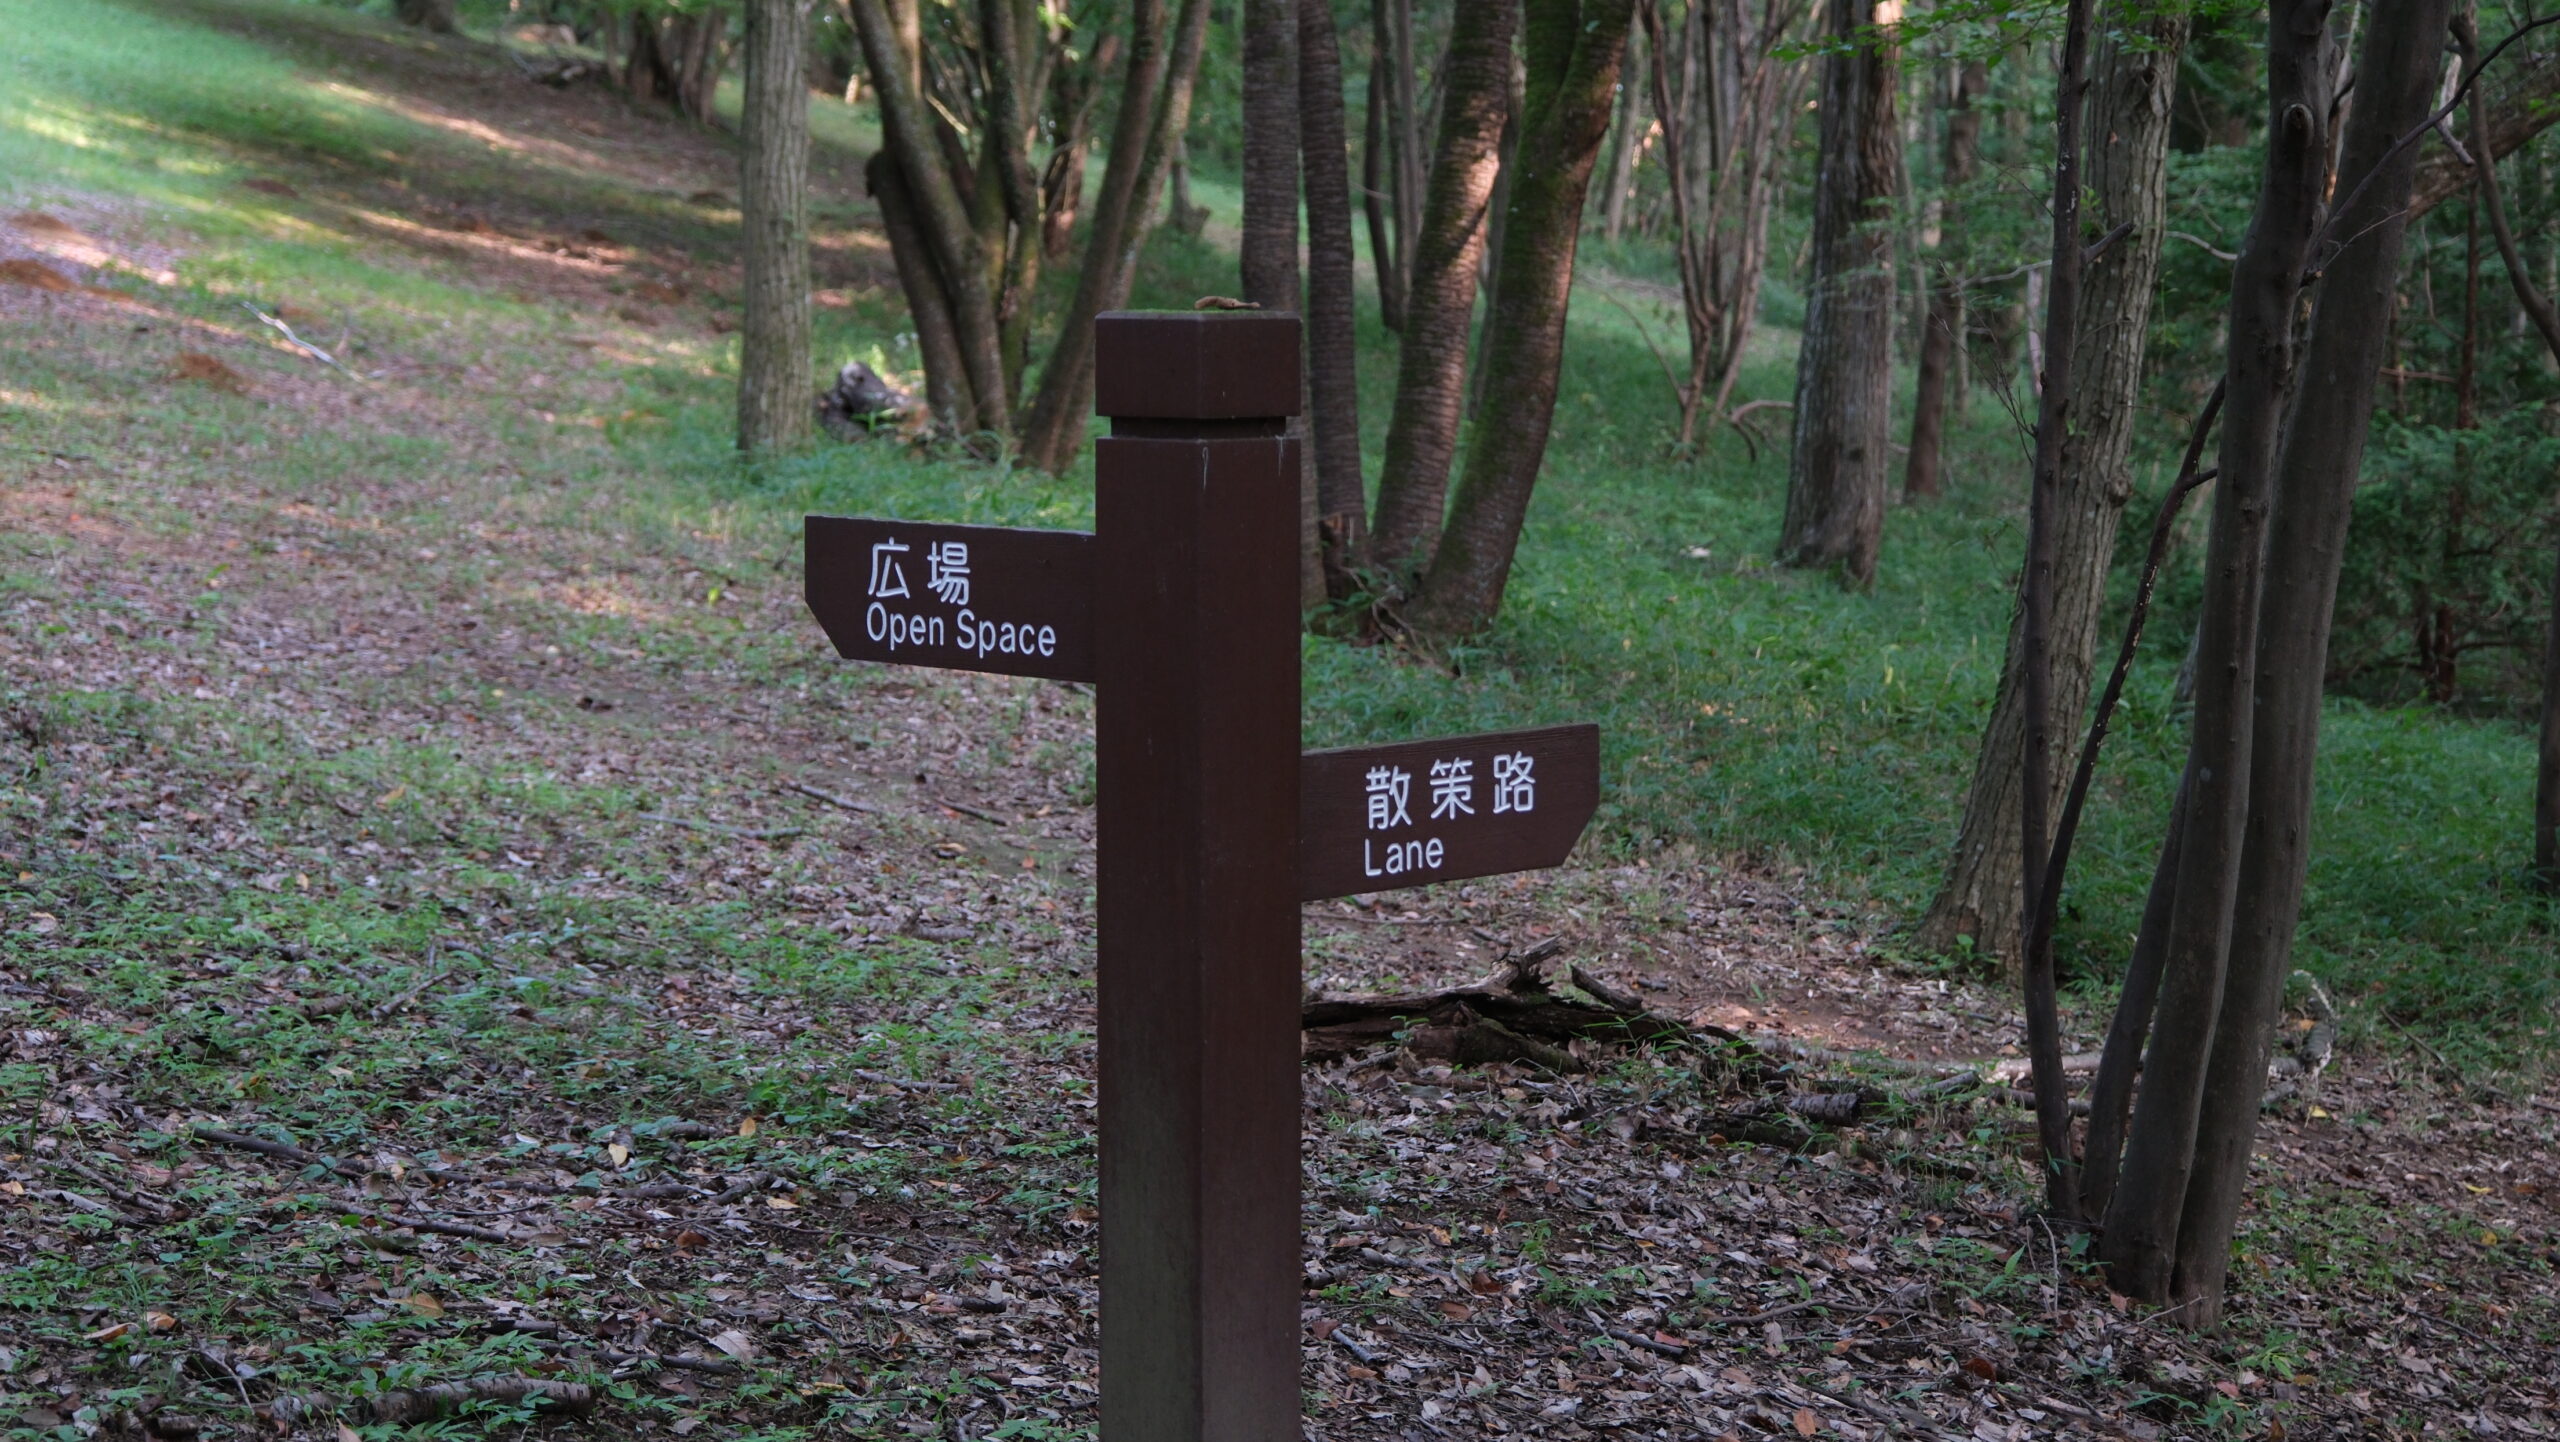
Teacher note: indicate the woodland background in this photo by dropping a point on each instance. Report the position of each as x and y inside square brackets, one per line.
[417, 759]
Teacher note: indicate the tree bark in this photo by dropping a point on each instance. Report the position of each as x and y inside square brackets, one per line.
[2132, 86]
[1431, 364]
[950, 232]
[775, 392]
[2539, 309]
[1573, 49]
[1391, 162]
[2140, 1243]
[1942, 332]
[1836, 465]
[1155, 107]
[1333, 376]
[2054, 456]
[2317, 469]
[946, 378]
[1267, 253]
[1625, 145]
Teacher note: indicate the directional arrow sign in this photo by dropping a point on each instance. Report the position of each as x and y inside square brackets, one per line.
[1372, 818]
[968, 598]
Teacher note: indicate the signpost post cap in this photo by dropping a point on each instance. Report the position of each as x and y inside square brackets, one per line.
[1196, 365]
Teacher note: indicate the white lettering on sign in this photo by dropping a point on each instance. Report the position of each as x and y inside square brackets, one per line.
[888, 578]
[1402, 856]
[947, 572]
[1514, 788]
[1390, 791]
[1453, 788]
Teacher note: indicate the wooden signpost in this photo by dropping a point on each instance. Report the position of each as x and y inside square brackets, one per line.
[1181, 607]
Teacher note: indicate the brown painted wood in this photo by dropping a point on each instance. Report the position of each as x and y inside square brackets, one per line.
[1196, 758]
[1374, 818]
[1017, 603]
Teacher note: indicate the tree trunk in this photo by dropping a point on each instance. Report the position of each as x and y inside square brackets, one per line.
[2131, 89]
[950, 232]
[1391, 164]
[2323, 451]
[775, 391]
[946, 378]
[2545, 317]
[699, 48]
[1625, 148]
[1155, 108]
[2140, 1243]
[1333, 376]
[1267, 253]
[434, 16]
[1573, 49]
[1942, 333]
[1431, 365]
[1722, 93]
[1836, 466]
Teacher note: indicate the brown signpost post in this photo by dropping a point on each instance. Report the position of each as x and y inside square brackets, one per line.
[1182, 608]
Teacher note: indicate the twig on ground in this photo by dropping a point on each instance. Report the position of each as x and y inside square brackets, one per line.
[884, 1079]
[400, 1003]
[283, 1151]
[846, 803]
[776, 833]
[965, 809]
[306, 347]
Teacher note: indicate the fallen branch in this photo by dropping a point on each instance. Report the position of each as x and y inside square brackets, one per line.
[282, 1151]
[777, 833]
[846, 803]
[965, 809]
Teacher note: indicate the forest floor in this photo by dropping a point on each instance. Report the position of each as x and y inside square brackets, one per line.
[412, 772]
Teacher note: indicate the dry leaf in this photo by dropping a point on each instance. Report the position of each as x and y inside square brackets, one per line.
[691, 1238]
[107, 1334]
[747, 1128]
[1324, 1328]
[424, 1305]
[349, 1434]
[1456, 1311]
[1806, 1423]
[737, 1344]
[1983, 1367]
[159, 1321]
[619, 1153]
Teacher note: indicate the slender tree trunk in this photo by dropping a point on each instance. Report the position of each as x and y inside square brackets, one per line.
[1721, 92]
[1431, 365]
[1942, 332]
[1626, 147]
[2132, 85]
[2323, 451]
[1497, 221]
[776, 396]
[1376, 203]
[1333, 377]
[1267, 254]
[2054, 457]
[1155, 107]
[1573, 49]
[2140, 1243]
[940, 212]
[2539, 309]
[946, 378]
[1836, 466]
